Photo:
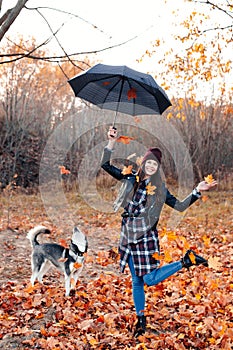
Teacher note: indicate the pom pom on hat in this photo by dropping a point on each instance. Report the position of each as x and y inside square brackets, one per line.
[152, 153]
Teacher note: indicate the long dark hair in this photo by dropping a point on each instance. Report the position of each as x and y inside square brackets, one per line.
[156, 180]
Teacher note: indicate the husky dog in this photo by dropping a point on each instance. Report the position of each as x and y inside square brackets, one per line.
[47, 254]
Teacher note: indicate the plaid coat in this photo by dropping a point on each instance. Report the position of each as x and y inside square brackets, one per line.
[137, 238]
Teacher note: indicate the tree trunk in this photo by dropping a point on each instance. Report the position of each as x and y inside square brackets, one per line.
[9, 17]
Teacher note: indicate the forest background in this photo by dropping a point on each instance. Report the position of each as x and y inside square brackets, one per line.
[39, 112]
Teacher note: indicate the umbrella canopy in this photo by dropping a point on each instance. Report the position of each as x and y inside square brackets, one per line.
[120, 89]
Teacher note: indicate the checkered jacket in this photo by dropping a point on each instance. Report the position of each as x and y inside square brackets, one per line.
[137, 238]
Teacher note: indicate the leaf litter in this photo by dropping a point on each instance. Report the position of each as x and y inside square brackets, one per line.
[191, 310]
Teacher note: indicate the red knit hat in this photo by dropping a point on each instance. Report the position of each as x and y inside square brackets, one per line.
[152, 153]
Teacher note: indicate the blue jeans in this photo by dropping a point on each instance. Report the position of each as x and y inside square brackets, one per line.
[151, 279]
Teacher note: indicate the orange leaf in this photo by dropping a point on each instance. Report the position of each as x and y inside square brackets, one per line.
[63, 170]
[43, 331]
[127, 170]
[192, 258]
[77, 265]
[204, 198]
[209, 179]
[124, 139]
[150, 189]
[63, 243]
[157, 256]
[167, 257]
[131, 93]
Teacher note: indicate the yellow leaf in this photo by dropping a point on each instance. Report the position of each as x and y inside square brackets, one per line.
[198, 296]
[139, 160]
[214, 263]
[171, 236]
[209, 179]
[93, 341]
[127, 170]
[168, 257]
[211, 340]
[150, 189]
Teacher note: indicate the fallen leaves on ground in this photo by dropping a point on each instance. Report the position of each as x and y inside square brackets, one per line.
[190, 310]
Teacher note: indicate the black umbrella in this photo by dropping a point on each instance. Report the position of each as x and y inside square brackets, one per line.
[120, 89]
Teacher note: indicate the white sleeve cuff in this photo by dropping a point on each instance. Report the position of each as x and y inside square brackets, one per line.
[196, 193]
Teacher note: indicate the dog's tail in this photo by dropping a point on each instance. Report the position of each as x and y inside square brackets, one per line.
[34, 232]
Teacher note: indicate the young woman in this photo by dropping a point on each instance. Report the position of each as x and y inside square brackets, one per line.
[142, 195]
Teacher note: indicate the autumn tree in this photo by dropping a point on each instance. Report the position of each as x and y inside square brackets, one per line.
[35, 97]
[198, 75]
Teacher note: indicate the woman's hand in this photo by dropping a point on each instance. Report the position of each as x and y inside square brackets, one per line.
[112, 133]
[112, 137]
[205, 186]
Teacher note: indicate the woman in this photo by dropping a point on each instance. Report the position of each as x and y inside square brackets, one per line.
[142, 195]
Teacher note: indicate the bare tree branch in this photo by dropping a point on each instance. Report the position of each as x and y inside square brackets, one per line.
[68, 13]
[22, 54]
[10, 17]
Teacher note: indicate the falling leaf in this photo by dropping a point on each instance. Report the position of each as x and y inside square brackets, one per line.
[131, 156]
[139, 160]
[106, 83]
[137, 178]
[157, 256]
[214, 263]
[127, 170]
[167, 257]
[150, 189]
[124, 139]
[209, 179]
[131, 93]
[63, 170]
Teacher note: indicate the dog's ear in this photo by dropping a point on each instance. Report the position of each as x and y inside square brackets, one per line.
[79, 239]
[46, 231]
